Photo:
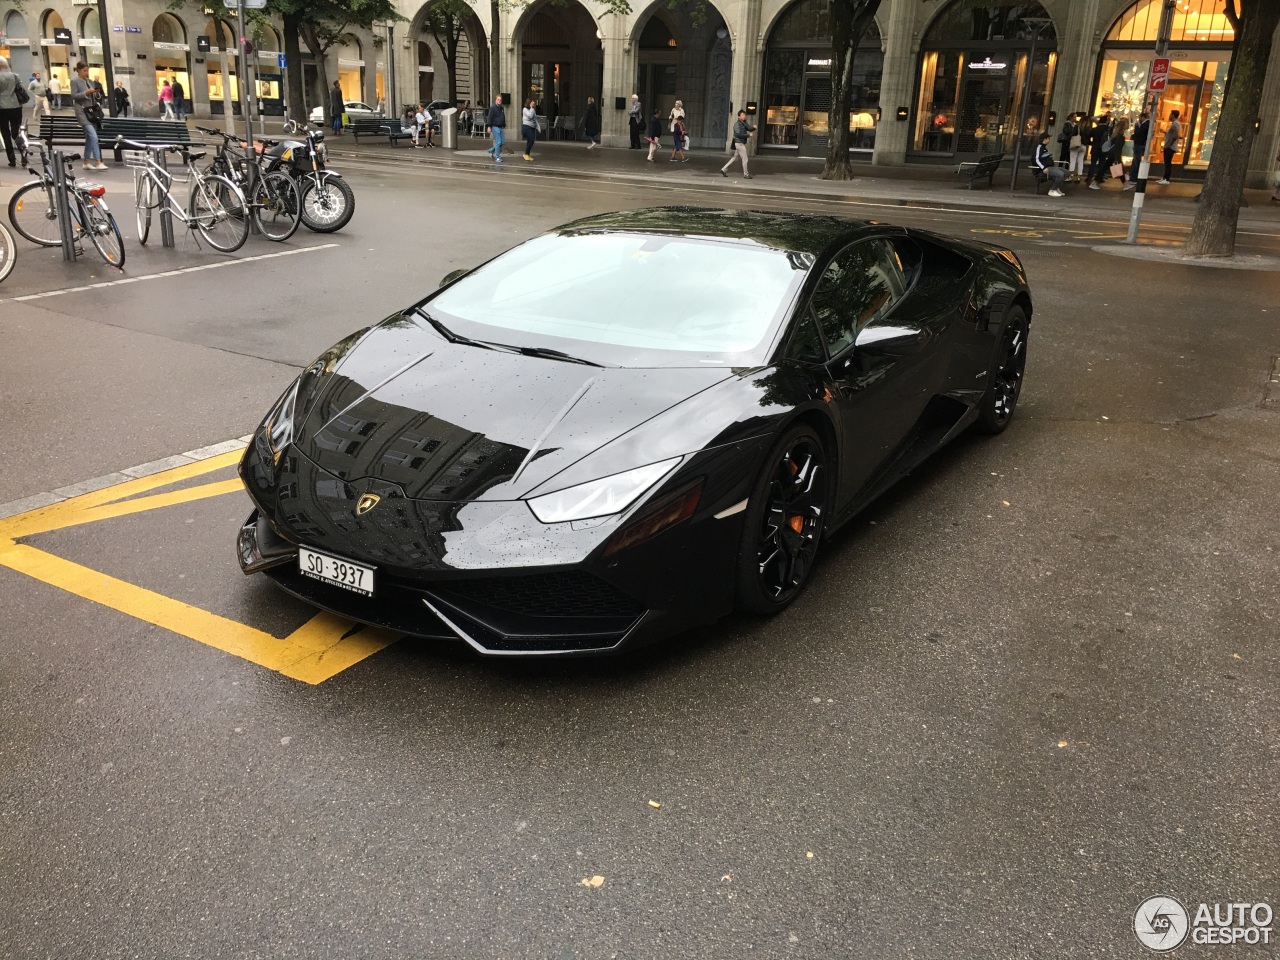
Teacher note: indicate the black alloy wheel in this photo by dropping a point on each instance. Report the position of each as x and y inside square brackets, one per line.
[1001, 398]
[784, 522]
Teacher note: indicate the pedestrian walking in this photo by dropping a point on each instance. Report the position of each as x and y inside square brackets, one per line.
[677, 134]
[39, 91]
[1044, 163]
[1172, 134]
[166, 102]
[1112, 148]
[10, 110]
[635, 120]
[654, 135]
[1099, 147]
[84, 104]
[336, 107]
[55, 91]
[742, 132]
[591, 123]
[119, 100]
[529, 126]
[1141, 137]
[497, 123]
[179, 98]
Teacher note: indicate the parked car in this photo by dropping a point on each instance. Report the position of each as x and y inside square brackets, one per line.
[355, 110]
[628, 426]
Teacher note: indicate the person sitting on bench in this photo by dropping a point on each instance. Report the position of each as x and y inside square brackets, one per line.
[1045, 165]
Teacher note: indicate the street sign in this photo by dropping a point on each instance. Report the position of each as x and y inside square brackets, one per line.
[1156, 84]
[1159, 73]
[282, 61]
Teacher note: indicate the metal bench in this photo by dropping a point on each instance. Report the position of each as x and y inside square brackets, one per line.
[393, 130]
[1039, 177]
[142, 130]
[982, 167]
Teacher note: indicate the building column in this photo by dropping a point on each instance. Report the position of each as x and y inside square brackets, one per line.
[1079, 38]
[620, 59]
[897, 82]
[748, 67]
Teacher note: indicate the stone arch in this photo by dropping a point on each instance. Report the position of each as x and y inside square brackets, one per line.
[471, 61]
[560, 58]
[769, 24]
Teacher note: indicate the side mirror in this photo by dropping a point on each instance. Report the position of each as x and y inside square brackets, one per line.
[887, 339]
[451, 276]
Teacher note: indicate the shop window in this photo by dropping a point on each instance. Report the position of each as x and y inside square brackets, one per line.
[1194, 21]
[939, 102]
[784, 72]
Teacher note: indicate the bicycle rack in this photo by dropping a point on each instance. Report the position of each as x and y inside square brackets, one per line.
[65, 228]
[166, 217]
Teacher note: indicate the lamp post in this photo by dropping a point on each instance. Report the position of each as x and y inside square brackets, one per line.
[1037, 25]
[1144, 165]
[389, 81]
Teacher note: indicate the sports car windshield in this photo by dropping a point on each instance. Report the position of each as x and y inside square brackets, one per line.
[629, 299]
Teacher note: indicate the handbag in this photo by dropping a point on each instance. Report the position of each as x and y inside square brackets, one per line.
[1117, 171]
[1076, 142]
[93, 113]
[1107, 145]
[20, 92]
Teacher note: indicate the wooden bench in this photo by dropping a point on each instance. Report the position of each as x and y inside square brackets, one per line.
[61, 129]
[982, 167]
[143, 131]
[392, 129]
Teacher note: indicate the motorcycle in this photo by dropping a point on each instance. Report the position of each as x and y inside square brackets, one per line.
[327, 199]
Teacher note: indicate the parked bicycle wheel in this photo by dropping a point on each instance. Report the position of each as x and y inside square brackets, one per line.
[146, 197]
[34, 214]
[328, 207]
[102, 229]
[217, 209]
[277, 206]
[8, 252]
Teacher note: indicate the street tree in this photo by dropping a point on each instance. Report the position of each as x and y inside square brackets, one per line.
[849, 21]
[446, 21]
[1213, 232]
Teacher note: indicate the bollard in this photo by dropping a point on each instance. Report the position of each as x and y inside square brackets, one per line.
[66, 228]
[448, 128]
[166, 217]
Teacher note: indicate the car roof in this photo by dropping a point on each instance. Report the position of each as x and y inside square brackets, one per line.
[797, 232]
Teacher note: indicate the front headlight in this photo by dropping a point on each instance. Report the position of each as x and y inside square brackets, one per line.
[599, 498]
[278, 426]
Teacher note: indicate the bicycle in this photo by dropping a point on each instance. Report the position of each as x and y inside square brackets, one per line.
[8, 252]
[33, 209]
[275, 203]
[215, 207]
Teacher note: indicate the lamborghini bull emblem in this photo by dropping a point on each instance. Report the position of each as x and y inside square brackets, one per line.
[366, 503]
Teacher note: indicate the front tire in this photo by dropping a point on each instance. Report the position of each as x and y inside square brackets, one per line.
[785, 517]
[327, 208]
[34, 214]
[1001, 399]
[276, 207]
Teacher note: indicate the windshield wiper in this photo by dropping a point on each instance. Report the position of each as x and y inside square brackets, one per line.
[545, 352]
[448, 334]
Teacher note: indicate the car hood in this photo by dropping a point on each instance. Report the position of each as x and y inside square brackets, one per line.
[447, 421]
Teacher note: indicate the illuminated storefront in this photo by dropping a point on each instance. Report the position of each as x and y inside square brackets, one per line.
[1200, 55]
[973, 75]
[796, 104]
[57, 63]
[220, 69]
[91, 46]
[268, 77]
[170, 49]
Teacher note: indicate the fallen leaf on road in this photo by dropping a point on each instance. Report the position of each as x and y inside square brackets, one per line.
[655, 804]
[1237, 656]
[596, 881]
[727, 878]
[1005, 502]
[1062, 743]
[809, 854]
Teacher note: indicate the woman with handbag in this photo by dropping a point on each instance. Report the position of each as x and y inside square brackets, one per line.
[1076, 150]
[84, 101]
[12, 96]
[1112, 147]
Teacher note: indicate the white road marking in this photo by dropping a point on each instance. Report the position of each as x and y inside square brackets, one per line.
[167, 273]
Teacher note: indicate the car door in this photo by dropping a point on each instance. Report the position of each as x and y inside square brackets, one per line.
[868, 356]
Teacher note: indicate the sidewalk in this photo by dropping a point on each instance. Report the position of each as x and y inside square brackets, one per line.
[914, 185]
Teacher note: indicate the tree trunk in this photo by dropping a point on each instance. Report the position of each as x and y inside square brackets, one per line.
[451, 61]
[1213, 233]
[849, 20]
[293, 66]
[322, 70]
[495, 43]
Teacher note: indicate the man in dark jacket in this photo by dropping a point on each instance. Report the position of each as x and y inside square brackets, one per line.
[119, 100]
[1141, 137]
[591, 123]
[742, 132]
[336, 107]
[179, 98]
[497, 123]
[635, 120]
[1099, 158]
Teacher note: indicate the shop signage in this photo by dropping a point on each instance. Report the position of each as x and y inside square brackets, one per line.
[202, 44]
[813, 62]
[269, 54]
[15, 42]
[61, 37]
[95, 42]
[986, 64]
[161, 45]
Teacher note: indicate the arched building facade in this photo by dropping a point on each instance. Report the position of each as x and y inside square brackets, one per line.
[936, 81]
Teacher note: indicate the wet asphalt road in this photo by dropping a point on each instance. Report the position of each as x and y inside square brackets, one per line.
[1033, 686]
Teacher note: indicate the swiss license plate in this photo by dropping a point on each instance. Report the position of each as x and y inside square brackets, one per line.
[341, 573]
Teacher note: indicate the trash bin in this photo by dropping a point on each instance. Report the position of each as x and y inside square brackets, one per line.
[448, 127]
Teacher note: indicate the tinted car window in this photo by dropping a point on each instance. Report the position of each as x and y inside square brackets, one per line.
[859, 286]
[806, 342]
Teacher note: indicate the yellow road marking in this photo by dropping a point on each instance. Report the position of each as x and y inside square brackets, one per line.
[319, 649]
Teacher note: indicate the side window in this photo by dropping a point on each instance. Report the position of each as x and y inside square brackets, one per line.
[860, 285]
[806, 342]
